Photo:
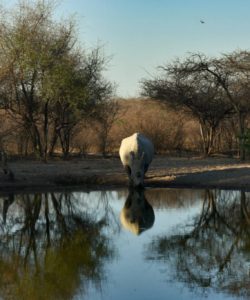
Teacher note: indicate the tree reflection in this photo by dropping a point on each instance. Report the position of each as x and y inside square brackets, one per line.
[137, 214]
[215, 252]
[50, 247]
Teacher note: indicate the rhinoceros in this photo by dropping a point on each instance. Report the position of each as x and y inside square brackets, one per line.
[137, 214]
[136, 153]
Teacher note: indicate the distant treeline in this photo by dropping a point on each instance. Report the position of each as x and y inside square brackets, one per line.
[172, 131]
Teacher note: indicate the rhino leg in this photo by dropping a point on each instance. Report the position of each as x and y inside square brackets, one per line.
[128, 170]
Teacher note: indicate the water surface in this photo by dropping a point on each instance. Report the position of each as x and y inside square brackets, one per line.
[157, 244]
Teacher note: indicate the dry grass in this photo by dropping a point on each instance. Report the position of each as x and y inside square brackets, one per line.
[171, 131]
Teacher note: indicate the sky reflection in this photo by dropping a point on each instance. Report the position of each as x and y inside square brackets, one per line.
[188, 244]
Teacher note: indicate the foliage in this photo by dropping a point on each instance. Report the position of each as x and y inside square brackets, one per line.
[196, 92]
[48, 83]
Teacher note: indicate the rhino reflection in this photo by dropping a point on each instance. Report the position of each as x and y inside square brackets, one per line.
[137, 214]
[48, 247]
[216, 251]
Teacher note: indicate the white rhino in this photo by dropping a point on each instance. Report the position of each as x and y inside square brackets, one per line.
[136, 153]
[137, 214]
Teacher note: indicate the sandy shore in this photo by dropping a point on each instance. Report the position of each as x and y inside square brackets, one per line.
[96, 173]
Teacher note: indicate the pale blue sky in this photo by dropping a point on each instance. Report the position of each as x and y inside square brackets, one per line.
[142, 34]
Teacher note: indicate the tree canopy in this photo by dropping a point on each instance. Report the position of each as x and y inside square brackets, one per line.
[209, 88]
[48, 82]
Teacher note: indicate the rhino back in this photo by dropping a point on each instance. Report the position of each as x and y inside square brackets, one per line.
[127, 145]
[137, 143]
[146, 146]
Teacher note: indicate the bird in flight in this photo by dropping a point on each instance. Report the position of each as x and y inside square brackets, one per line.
[202, 22]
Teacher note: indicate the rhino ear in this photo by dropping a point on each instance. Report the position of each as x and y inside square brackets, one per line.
[132, 155]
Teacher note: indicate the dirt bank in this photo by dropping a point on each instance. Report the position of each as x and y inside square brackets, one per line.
[106, 173]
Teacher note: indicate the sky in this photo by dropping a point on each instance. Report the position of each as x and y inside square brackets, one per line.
[140, 35]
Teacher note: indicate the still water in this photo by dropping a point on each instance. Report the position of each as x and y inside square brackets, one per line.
[156, 244]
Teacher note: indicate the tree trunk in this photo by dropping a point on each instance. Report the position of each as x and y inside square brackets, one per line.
[64, 136]
[54, 138]
[242, 150]
[45, 131]
[207, 132]
[211, 139]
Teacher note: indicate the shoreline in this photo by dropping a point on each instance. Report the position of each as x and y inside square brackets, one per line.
[107, 173]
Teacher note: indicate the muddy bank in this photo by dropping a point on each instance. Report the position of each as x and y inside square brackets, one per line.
[97, 173]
